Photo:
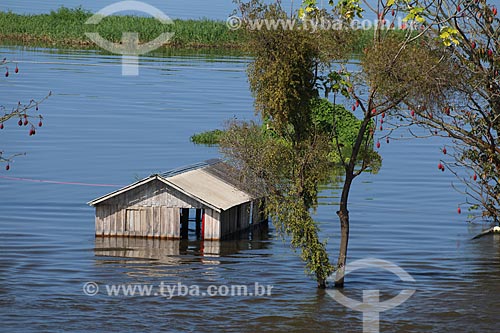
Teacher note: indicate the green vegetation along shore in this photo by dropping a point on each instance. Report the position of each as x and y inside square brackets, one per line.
[207, 138]
[66, 28]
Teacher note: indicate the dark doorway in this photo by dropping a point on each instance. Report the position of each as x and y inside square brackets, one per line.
[191, 221]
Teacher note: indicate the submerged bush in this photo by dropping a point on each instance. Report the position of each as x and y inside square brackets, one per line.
[207, 138]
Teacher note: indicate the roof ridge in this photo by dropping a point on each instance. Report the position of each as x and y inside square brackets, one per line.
[189, 167]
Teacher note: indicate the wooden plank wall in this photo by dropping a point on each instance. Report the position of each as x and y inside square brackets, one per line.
[156, 230]
[164, 222]
[137, 221]
[120, 222]
[235, 220]
[99, 220]
[226, 222]
[154, 193]
[212, 226]
[245, 216]
[170, 223]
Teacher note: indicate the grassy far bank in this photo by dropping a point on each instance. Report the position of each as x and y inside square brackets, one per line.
[66, 28]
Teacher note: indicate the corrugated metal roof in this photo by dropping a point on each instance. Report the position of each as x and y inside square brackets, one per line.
[190, 167]
[212, 182]
[204, 186]
[233, 176]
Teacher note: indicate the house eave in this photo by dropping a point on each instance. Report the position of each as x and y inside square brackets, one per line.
[121, 190]
[144, 181]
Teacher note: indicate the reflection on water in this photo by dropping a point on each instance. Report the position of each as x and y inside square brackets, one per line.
[102, 128]
[168, 250]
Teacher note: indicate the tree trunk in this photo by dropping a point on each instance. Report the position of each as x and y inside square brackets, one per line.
[321, 282]
[343, 214]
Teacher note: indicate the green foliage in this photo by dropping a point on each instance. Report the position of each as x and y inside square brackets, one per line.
[336, 120]
[292, 154]
[329, 119]
[290, 218]
[67, 27]
[303, 134]
[343, 128]
[337, 82]
[449, 77]
[448, 36]
[391, 65]
[207, 138]
[284, 74]
[285, 62]
[363, 39]
[415, 14]
[289, 176]
[347, 9]
[333, 121]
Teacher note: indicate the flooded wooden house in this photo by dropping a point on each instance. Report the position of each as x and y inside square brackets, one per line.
[159, 206]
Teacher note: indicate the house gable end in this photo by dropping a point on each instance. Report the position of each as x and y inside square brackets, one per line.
[154, 193]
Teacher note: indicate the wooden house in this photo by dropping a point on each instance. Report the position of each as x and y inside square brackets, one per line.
[159, 206]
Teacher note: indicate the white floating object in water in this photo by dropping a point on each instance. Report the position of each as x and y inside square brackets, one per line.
[488, 231]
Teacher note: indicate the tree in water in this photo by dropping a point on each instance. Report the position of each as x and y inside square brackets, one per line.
[368, 105]
[303, 136]
[439, 70]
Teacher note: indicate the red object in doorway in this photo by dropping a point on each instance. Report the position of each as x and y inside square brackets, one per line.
[202, 236]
